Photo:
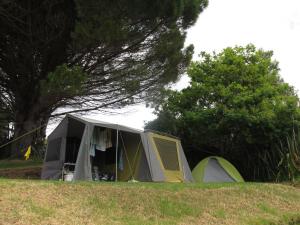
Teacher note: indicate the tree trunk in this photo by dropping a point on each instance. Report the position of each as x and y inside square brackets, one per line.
[32, 126]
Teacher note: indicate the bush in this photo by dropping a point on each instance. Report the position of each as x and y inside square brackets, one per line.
[289, 165]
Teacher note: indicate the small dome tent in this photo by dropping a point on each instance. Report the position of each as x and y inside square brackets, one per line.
[216, 169]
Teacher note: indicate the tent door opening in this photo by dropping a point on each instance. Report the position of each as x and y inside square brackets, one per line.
[73, 139]
[120, 158]
[103, 154]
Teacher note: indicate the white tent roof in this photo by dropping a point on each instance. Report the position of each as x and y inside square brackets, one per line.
[105, 124]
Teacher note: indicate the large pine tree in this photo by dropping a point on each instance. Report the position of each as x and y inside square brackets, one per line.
[86, 55]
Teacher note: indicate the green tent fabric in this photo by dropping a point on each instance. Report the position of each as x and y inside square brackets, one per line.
[216, 169]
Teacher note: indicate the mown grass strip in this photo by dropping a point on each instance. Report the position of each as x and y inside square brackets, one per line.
[15, 164]
[55, 202]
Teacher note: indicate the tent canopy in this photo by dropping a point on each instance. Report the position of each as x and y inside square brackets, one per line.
[216, 169]
[124, 152]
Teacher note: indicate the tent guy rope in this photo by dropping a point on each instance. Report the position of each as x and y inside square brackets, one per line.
[24, 135]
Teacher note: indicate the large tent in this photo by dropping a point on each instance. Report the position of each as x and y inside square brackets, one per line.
[90, 148]
[216, 169]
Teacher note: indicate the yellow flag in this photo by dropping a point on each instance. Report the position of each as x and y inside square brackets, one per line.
[27, 154]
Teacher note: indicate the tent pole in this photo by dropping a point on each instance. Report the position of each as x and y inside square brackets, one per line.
[117, 154]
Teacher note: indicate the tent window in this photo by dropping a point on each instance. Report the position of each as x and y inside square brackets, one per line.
[168, 153]
[53, 151]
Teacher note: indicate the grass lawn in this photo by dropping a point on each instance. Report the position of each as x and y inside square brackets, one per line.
[20, 169]
[13, 164]
[48, 202]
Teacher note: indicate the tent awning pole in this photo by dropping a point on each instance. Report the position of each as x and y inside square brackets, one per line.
[117, 144]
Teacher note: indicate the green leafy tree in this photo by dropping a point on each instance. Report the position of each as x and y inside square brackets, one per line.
[85, 55]
[236, 106]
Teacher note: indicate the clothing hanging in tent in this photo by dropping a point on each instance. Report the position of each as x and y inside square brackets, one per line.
[101, 140]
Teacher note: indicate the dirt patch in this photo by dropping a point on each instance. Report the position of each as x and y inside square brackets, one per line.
[22, 173]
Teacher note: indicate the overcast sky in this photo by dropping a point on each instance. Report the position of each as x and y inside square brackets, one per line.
[268, 24]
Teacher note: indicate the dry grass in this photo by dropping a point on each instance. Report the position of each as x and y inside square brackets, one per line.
[41, 202]
[23, 173]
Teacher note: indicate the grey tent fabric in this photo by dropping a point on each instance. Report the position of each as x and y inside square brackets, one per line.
[83, 168]
[104, 124]
[155, 169]
[72, 127]
[144, 170]
[52, 168]
[214, 172]
[62, 149]
[187, 174]
[54, 149]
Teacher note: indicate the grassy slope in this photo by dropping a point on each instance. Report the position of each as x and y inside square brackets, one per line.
[42, 202]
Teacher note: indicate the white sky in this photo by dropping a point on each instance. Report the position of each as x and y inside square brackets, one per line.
[268, 24]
